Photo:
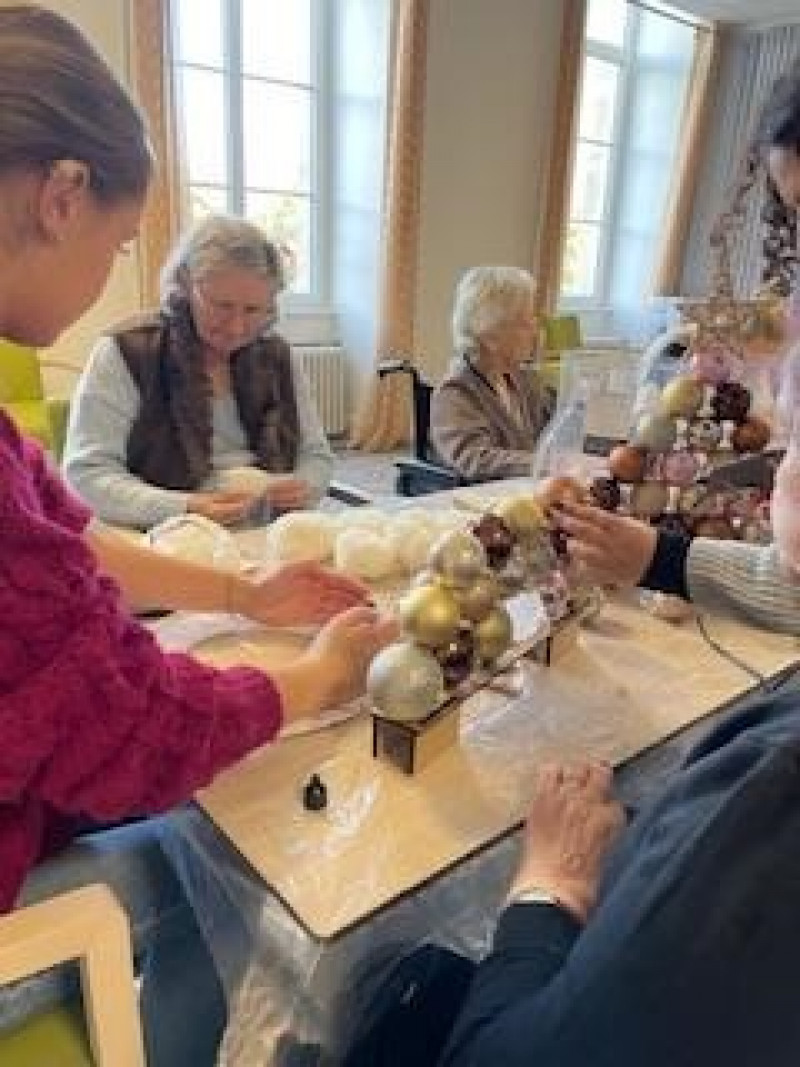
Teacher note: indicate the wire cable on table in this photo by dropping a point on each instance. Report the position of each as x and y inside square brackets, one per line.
[757, 676]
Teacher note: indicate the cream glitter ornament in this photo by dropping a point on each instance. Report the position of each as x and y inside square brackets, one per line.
[301, 536]
[364, 554]
[197, 539]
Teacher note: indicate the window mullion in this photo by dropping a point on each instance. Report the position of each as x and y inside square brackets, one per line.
[234, 106]
[619, 138]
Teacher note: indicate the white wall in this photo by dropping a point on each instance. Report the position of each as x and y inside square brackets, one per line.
[492, 68]
[105, 23]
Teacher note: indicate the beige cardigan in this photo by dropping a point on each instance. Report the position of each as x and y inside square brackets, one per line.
[473, 430]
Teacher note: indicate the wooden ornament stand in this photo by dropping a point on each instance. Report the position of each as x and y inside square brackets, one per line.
[411, 746]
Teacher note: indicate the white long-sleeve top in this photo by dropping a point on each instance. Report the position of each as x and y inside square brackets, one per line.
[746, 580]
[104, 407]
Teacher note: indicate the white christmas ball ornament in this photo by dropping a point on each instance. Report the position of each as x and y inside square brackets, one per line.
[405, 682]
[301, 536]
[196, 539]
[364, 554]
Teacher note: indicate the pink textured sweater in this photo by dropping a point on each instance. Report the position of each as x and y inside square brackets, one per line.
[96, 722]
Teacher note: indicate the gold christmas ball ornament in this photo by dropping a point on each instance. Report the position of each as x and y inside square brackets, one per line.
[524, 515]
[764, 329]
[493, 634]
[477, 599]
[427, 577]
[430, 614]
[657, 433]
[405, 682]
[681, 398]
[458, 556]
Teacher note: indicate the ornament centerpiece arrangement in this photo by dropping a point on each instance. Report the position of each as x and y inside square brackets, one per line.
[704, 417]
[457, 631]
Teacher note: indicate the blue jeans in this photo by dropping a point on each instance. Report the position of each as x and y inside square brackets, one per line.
[181, 1001]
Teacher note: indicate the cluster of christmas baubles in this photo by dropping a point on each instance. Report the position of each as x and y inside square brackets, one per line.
[699, 418]
[454, 617]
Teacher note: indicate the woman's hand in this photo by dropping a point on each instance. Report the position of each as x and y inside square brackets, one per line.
[287, 494]
[333, 670]
[299, 594]
[226, 507]
[605, 548]
[573, 822]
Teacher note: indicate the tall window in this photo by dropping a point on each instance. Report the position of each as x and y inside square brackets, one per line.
[635, 72]
[250, 76]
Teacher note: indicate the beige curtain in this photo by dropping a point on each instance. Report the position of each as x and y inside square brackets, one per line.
[384, 420]
[562, 151]
[151, 73]
[698, 109]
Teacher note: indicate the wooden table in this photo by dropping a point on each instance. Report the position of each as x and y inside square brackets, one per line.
[631, 681]
[296, 900]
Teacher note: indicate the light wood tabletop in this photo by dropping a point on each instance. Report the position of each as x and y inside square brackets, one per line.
[631, 681]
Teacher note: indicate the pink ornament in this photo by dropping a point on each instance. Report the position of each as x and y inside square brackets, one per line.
[680, 468]
[714, 365]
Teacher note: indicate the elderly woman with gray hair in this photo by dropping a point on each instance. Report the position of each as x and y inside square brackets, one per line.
[488, 413]
[201, 406]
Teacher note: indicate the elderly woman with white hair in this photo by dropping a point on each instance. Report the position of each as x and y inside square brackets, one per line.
[488, 412]
[200, 407]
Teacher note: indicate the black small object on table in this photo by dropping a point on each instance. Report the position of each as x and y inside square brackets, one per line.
[315, 794]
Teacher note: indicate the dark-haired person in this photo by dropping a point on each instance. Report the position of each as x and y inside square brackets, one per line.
[678, 943]
[97, 724]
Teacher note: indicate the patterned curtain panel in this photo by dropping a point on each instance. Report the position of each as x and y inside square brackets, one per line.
[696, 126]
[384, 420]
[151, 75]
[752, 60]
[562, 150]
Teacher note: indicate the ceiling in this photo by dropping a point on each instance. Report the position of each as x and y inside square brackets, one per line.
[742, 10]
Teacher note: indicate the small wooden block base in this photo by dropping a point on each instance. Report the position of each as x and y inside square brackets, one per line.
[563, 638]
[410, 746]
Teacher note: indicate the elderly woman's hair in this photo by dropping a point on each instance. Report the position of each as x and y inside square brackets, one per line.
[488, 297]
[59, 100]
[218, 243]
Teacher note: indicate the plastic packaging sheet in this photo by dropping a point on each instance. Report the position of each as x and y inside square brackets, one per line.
[289, 992]
[381, 828]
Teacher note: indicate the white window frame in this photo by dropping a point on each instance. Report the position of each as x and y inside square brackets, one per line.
[625, 57]
[317, 300]
[620, 56]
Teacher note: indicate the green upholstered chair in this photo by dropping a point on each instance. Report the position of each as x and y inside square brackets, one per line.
[90, 926]
[22, 396]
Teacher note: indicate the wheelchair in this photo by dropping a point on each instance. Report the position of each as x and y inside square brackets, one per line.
[422, 472]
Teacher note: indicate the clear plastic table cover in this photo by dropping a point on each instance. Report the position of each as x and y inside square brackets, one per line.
[289, 990]
[632, 681]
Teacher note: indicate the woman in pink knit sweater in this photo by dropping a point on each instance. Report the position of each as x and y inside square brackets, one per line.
[97, 724]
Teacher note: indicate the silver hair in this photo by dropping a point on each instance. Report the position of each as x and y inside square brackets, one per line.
[485, 298]
[219, 242]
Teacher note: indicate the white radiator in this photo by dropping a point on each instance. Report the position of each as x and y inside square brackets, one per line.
[326, 369]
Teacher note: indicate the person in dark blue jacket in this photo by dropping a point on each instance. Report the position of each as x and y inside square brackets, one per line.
[691, 956]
